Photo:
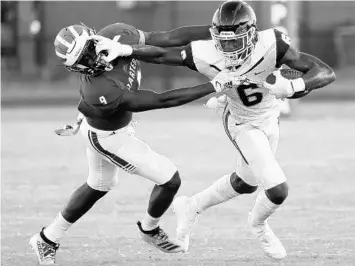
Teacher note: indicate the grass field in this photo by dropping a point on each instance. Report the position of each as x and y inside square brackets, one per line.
[316, 224]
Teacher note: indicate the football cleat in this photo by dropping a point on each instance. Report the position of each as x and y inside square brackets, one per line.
[185, 220]
[159, 239]
[270, 244]
[44, 248]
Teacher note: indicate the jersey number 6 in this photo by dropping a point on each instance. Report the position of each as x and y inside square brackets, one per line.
[247, 97]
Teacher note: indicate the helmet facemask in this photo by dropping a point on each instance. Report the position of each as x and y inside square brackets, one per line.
[236, 46]
[75, 47]
[89, 63]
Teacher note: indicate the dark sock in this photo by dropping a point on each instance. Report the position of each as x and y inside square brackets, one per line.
[163, 195]
[80, 202]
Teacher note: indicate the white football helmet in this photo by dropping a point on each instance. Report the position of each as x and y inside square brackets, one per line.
[76, 50]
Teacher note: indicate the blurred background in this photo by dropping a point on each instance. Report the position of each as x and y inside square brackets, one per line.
[31, 72]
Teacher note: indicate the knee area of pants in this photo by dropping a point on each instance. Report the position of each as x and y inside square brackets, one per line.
[100, 187]
[240, 186]
[278, 194]
[174, 183]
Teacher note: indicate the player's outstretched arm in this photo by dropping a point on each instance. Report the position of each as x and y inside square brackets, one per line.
[158, 55]
[151, 54]
[143, 100]
[177, 37]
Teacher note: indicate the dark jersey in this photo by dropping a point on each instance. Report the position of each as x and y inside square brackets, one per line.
[101, 95]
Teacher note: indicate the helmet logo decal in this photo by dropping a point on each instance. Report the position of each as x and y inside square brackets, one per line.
[68, 45]
[73, 31]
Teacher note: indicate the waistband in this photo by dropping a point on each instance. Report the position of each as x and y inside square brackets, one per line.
[105, 133]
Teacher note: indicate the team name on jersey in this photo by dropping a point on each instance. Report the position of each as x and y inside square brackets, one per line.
[133, 73]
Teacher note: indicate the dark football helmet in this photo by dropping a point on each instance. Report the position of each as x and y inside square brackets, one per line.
[76, 50]
[234, 30]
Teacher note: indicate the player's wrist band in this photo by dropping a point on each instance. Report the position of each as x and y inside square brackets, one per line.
[216, 85]
[126, 49]
[298, 85]
[129, 50]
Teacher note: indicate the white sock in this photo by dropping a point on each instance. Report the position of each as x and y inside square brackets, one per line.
[57, 228]
[263, 208]
[149, 223]
[219, 192]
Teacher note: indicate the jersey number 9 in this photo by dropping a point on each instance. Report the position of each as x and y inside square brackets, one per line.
[102, 100]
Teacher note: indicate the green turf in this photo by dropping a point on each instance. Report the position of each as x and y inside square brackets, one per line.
[316, 224]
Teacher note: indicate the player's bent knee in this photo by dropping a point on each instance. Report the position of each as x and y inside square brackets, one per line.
[174, 183]
[100, 185]
[278, 194]
[240, 186]
[161, 169]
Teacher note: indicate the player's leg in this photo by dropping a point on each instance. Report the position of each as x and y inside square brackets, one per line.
[187, 209]
[102, 177]
[275, 193]
[138, 158]
[253, 145]
[265, 166]
[224, 189]
[160, 200]
[258, 146]
[158, 169]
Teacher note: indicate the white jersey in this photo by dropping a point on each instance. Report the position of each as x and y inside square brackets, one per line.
[247, 102]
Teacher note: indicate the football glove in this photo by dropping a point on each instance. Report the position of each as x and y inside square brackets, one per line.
[226, 80]
[217, 103]
[284, 87]
[70, 130]
[111, 49]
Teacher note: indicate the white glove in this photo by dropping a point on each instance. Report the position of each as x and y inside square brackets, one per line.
[70, 130]
[226, 80]
[284, 87]
[113, 48]
[217, 102]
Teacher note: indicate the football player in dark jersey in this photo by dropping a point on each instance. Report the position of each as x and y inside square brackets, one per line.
[251, 115]
[109, 94]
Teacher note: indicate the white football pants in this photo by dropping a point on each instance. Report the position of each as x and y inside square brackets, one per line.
[256, 143]
[109, 151]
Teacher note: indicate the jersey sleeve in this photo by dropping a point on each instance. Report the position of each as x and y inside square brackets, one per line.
[283, 42]
[187, 57]
[198, 54]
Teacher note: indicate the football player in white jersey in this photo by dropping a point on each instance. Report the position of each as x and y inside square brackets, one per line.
[251, 113]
